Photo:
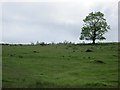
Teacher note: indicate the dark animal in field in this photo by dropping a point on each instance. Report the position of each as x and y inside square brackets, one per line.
[88, 57]
[41, 74]
[115, 55]
[20, 56]
[12, 55]
[35, 51]
[98, 61]
[73, 50]
[89, 50]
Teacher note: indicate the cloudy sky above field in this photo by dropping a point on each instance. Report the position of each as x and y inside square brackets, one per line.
[53, 21]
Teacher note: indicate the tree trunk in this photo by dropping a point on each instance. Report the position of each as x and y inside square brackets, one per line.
[94, 35]
[93, 41]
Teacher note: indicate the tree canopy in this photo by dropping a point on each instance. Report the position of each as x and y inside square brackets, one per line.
[95, 27]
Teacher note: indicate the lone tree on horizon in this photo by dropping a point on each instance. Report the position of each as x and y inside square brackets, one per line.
[94, 28]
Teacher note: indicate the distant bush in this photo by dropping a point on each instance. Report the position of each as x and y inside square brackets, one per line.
[52, 43]
[32, 43]
[42, 44]
[37, 43]
[66, 43]
[20, 44]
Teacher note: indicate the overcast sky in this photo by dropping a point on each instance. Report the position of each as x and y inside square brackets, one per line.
[53, 21]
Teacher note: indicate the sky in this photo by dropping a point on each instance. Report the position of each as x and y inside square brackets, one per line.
[53, 20]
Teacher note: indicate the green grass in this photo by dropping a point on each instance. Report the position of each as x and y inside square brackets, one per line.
[58, 66]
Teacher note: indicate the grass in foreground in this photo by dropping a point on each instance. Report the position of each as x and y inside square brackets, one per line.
[60, 66]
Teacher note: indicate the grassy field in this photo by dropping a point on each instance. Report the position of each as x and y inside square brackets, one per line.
[60, 66]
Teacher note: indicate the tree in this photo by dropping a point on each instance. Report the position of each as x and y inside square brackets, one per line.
[37, 43]
[32, 43]
[94, 28]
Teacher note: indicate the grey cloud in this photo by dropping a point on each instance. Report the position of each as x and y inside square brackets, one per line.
[26, 22]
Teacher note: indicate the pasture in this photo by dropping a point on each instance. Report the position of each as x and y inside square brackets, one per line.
[60, 66]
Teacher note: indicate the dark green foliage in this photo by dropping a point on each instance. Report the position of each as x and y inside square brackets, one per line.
[95, 27]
